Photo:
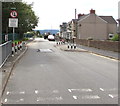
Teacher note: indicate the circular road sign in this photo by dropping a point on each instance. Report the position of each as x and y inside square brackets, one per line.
[13, 14]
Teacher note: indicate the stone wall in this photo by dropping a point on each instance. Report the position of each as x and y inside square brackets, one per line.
[105, 45]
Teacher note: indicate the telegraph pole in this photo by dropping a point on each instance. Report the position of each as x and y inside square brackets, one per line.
[75, 13]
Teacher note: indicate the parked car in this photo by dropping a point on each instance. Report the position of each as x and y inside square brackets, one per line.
[51, 38]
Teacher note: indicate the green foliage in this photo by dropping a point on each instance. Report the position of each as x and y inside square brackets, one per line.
[115, 37]
[40, 36]
[26, 16]
[16, 41]
[25, 39]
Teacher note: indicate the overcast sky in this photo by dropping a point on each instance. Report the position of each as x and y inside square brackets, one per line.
[52, 13]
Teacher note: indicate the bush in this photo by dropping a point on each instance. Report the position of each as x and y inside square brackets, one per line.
[115, 37]
[25, 39]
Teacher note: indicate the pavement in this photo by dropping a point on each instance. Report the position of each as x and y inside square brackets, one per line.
[7, 68]
[81, 48]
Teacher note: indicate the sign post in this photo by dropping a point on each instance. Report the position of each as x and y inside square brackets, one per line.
[13, 22]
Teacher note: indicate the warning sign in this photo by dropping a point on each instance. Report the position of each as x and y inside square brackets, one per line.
[13, 22]
[13, 14]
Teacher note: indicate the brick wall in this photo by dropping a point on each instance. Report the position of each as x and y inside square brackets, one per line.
[105, 45]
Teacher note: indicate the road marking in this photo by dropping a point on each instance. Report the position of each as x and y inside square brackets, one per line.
[7, 93]
[90, 97]
[36, 91]
[81, 90]
[46, 50]
[113, 95]
[59, 98]
[50, 99]
[23, 92]
[108, 89]
[5, 100]
[104, 57]
[21, 99]
[38, 100]
[69, 90]
[75, 97]
[55, 91]
[102, 89]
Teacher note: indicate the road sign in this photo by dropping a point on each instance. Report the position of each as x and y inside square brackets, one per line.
[13, 22]
[13, 14]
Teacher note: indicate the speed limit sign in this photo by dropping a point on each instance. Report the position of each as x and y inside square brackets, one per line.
[13, 14]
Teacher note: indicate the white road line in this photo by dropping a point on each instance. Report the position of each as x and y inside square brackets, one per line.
[82, 90]
[111, 96]
[75, 97]
[90, 97]
[5, 100]
[102, 89]
[23, 92]
[55, 91]
[38, 100]
[69, 90]
[21, 99]
[36, 91]
[7, 93]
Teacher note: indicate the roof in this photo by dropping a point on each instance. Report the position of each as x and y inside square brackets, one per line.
[108, 19]
[81, 17]
[118, 19]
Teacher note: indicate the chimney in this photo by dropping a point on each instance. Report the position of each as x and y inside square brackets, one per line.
[79, 15]
[92, 11]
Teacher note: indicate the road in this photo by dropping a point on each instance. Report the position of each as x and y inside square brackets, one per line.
[52, 76]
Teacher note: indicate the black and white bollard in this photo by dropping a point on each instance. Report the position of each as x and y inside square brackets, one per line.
[75, 46]
[71, 46]
[20, 45]
[13, 49]
[68, 46]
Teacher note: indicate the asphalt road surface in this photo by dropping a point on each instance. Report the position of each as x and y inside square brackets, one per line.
[52, 76]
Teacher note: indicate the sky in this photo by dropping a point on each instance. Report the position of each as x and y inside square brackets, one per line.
[52, 13]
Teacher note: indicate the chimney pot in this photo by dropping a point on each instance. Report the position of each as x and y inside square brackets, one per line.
[92, 11]
[79, 15]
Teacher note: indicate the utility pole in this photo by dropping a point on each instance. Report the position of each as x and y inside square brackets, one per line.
[75, 13]
[75, 23]
[75, 33]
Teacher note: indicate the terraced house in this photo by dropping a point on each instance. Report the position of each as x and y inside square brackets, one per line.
[94, 26]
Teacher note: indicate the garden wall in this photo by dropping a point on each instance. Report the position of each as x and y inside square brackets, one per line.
[105, 45]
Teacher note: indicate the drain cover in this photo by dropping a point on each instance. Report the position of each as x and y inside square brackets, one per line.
[45, 50]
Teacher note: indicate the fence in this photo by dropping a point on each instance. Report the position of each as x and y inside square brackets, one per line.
[5, 52]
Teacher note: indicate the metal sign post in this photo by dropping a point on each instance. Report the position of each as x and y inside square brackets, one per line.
[13, 33]
[13, 22]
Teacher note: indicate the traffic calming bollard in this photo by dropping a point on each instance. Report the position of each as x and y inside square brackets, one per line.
[20, 45]
[71, 46]
[13, 49]
[68, 46]
[75, 46]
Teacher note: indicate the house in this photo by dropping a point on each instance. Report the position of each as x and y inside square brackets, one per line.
[71, 29]
[95, 27]
[63, 29]
[118, 31]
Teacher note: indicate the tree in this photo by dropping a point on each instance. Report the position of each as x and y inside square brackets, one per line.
[26, 16]
[38, 33]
